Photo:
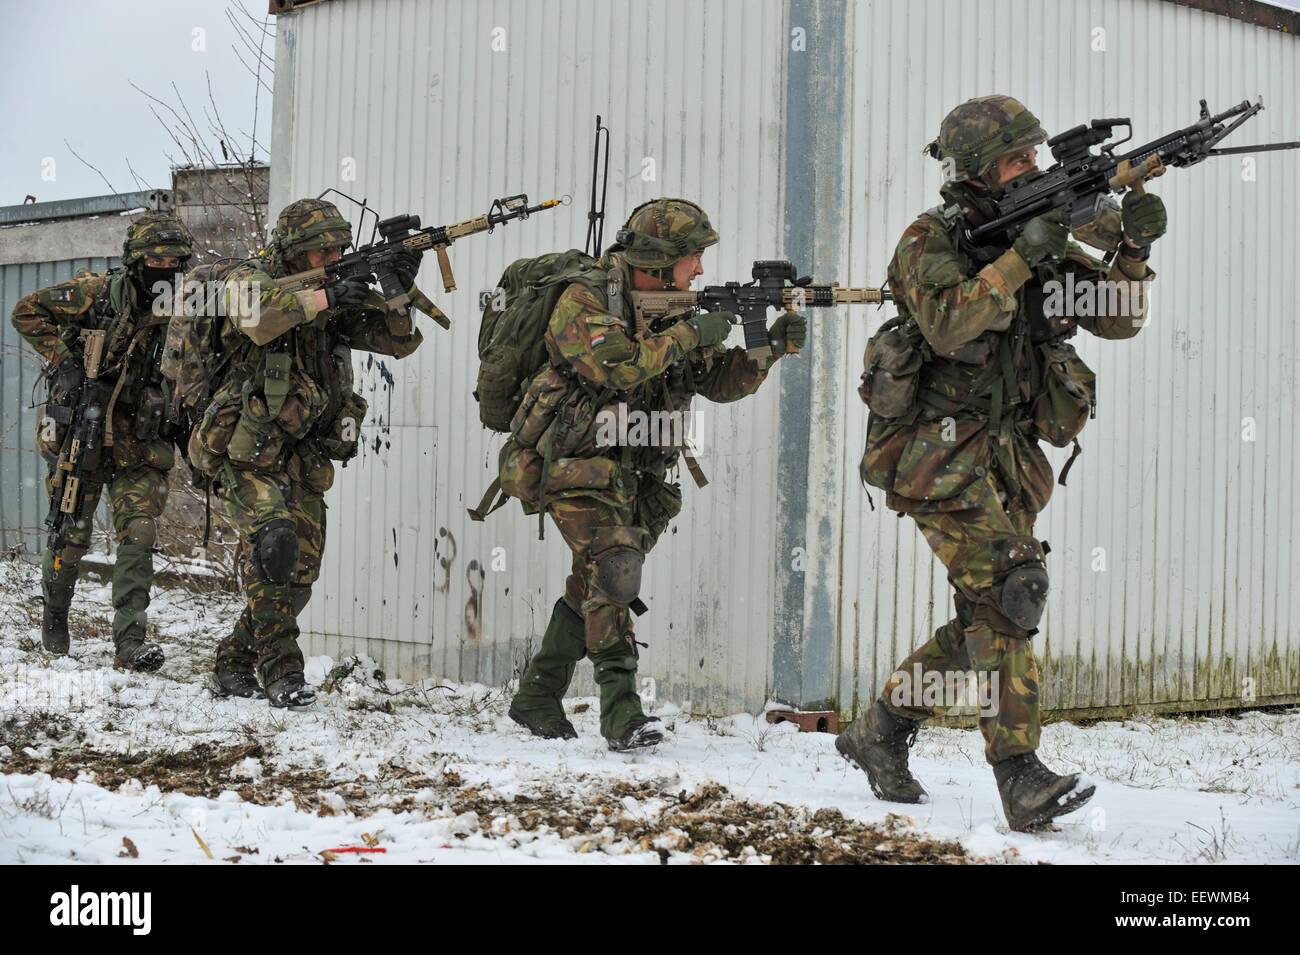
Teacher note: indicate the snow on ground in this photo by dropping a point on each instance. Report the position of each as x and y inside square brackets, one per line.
[101, 765]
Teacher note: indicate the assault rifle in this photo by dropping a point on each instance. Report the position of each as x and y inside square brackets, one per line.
[82, 446]
[375, 262]
[1080, 180]
[774, 286]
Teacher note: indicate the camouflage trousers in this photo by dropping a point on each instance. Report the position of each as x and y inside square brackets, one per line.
[136, 498]
[266, 634]
[590, 524]
[966, 541]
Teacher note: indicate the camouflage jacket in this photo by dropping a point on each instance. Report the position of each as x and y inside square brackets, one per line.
[287, 376]
[52, 321]
[997, 375]
[612, 399]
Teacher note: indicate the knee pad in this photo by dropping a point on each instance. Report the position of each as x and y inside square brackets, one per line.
[140, 530]
[275, 551]
[618, 574]
[618, 554]
[1022, 582]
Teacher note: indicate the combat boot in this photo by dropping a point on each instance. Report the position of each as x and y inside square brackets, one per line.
[136, 653]
[1033, 795]
[235, 670]
[877, 743]
[54, 630]
[641, 731]
[538, 705]
[291, 691]
[622, 722]
[235, 676]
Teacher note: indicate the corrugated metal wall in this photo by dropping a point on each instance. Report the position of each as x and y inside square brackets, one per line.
[440, 124]
[1194, 524]
[23, 503]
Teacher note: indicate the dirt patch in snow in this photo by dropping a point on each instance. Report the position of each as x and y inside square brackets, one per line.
[706, 825]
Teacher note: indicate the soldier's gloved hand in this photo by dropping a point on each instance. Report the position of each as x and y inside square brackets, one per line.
[788, 333]
[346, 292]
[68, 376]
[712, 327]
[1044, 239]
[1144, 218]
[407, 265]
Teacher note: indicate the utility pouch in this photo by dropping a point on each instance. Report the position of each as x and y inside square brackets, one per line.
[149, 413]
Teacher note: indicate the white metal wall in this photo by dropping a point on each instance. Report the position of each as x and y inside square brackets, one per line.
[438, 123]
[1196, 524]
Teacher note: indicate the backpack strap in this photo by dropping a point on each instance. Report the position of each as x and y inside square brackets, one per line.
[486, 506]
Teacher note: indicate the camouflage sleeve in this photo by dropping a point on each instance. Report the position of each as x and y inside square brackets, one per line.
[731, 375]
[1105, 231]
[261, 309]
[1121, 312]
[599, 348]
[951, 307]
[376, 328]
[50, 317]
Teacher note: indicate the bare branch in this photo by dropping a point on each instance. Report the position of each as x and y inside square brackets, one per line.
[94, 169]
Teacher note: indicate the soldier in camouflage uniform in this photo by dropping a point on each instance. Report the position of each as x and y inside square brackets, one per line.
[963, 385]
[611, 500]
[138, 445]
[283, 409]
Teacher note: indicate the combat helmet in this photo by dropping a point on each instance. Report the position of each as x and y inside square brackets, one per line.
[158, 234]
[980, 130]
[309, 224]
[660, 232]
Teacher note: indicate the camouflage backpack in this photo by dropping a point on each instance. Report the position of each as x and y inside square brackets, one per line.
[192, 353]
[511, 340]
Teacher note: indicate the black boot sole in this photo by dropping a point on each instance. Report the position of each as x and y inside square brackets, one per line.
[1044, 817]
[848, 756]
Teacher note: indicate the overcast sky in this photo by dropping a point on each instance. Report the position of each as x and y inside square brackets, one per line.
[66, 68]
[65, 72]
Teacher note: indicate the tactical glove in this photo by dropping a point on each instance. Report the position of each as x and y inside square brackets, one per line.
[1044, 239]
[407, 265]
[68, 376]
[1144, 218]
[712, 327]
[788, 333]
[346, 292]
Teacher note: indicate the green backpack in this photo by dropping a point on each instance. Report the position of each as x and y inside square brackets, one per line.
[511, 340]
[192, 354]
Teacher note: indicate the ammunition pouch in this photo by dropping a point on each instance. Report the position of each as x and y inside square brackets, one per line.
[149, 414]
[1068, 396]
[256, 440]
[343, 439]
[893, 370]
[658, 502]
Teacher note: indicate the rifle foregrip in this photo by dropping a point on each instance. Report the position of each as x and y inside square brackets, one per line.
[444, 266]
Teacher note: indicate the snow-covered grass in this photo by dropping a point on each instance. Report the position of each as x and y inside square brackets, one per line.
[102, 765]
